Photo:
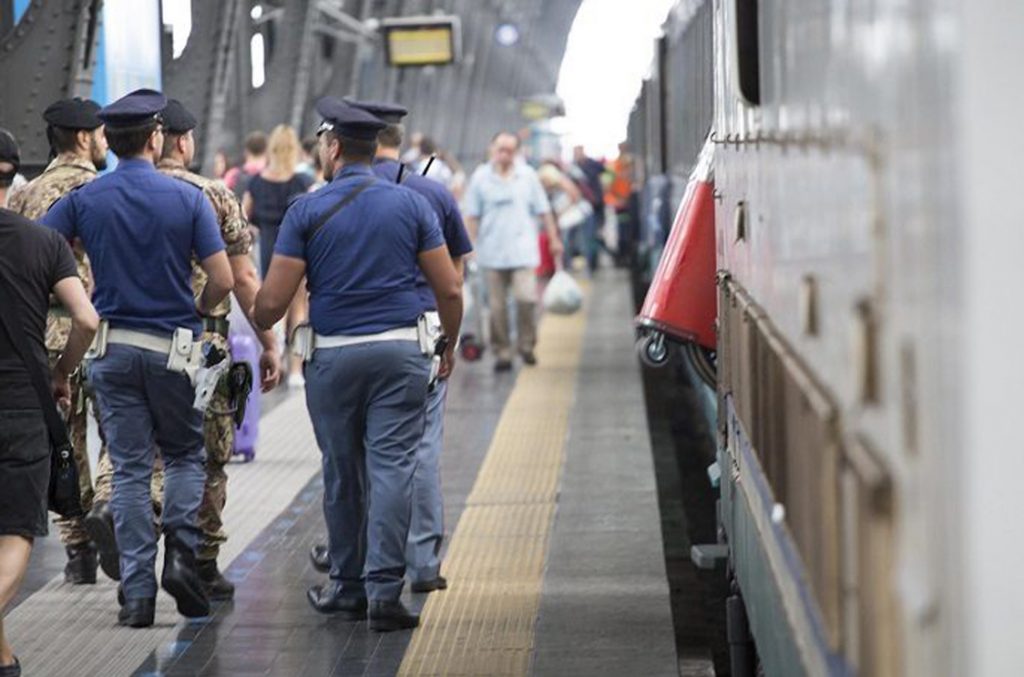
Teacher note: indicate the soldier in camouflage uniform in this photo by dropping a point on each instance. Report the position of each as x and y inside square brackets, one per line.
[76, 135]
[179, 151]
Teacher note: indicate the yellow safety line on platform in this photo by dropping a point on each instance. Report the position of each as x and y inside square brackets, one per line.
[484, 623]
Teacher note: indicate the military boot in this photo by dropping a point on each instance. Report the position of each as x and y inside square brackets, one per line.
[218, 588]
[181, 579]
[100, 525]
[81, 566]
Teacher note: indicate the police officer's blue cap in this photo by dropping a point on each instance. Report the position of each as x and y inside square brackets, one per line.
[390, 113]
[177, 118]
[74, 113]
[348, 121]
[134, 110]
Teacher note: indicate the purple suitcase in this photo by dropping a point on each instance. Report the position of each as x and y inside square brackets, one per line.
[244, 347]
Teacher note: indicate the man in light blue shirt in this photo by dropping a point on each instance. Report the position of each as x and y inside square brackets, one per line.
[503, 202]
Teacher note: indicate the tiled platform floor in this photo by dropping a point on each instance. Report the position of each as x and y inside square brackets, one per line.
[604, 607]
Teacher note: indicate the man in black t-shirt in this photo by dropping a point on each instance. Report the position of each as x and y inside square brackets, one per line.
[34, 262]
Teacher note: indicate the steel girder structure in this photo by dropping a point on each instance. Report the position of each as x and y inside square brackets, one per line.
[212, 76]
[313, 47]
[462, 105]
[318, 47]
[48, 55]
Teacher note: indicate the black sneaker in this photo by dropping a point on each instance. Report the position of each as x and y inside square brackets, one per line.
[387, 616]
[81, 566]
[439, 583]
[181, 579]
[218, 588]
[100, 525]
[503, 365]
[529, 358]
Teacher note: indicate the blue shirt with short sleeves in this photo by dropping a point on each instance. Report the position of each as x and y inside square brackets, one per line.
[361, 266]
[447, 210]
[508, 207]
[140, 230]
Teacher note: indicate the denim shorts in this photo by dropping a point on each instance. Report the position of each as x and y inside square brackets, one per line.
[24, 472]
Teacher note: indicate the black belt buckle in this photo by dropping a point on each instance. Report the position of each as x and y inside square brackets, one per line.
[216, 325]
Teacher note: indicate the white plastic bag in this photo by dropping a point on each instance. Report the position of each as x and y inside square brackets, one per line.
[563, 296]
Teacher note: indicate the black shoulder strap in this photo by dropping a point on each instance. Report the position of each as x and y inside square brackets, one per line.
[10, 319]
[326, 216]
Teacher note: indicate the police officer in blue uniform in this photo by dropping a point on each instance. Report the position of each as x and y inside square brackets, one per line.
[361, 241]
[426, 527]
[140, 230]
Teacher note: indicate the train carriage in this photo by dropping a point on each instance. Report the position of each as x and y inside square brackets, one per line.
[841, 227]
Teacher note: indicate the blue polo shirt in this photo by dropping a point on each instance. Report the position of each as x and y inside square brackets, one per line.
[447, 210]
[140, 230]
[361, 266]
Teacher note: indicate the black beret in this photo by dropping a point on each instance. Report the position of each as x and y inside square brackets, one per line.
[74, 113]
[177, 118]
[390, 113]
[9, 149]
[134, 109]
[346, 120]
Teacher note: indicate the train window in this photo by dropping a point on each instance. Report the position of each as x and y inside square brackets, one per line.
[748, 50]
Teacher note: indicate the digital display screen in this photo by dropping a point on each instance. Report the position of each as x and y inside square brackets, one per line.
[426, 42]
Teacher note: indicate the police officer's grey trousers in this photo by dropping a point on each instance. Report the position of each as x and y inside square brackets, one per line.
[144, 407]
[426, 529]
[367, 403]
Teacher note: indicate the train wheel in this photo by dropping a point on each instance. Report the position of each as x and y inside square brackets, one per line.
[653, 350]
[703, 362]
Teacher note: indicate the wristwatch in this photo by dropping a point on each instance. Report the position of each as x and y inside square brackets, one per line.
[441, 345]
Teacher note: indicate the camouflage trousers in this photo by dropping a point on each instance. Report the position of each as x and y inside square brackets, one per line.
[219, 439]
[219, 433]
[105, 481]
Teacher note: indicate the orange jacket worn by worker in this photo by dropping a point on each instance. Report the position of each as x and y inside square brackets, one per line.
[622, 183]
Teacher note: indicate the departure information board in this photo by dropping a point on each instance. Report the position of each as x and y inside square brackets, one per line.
[422, 41]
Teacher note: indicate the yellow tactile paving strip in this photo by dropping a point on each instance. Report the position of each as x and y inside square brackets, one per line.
[484, 623]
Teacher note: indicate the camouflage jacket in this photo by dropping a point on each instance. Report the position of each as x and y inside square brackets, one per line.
[234, 229]
[33, 200]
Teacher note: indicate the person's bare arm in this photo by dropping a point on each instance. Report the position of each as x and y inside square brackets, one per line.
[554, 235]
[247, 285]
[570, 188]
[460, 267]
[278, 290]
[446, 283]
[247, 206]
[218, 283]
[84, 323]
